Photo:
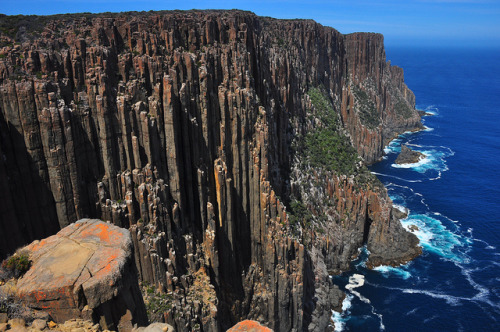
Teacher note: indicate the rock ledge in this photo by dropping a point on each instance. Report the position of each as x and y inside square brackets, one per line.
[86, 270]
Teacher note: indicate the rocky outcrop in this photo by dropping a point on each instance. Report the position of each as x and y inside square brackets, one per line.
[86, 270]
[424, 113]
[408, 156]
[75, 324]
[249, 326]
[182, 127]
[72, 325]
[376, 105]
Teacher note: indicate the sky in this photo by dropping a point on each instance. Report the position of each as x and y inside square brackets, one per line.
[403, 22]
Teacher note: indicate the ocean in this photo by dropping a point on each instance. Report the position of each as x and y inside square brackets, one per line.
[453, 197]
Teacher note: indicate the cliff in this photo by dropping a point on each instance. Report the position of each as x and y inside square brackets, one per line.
[226, 142]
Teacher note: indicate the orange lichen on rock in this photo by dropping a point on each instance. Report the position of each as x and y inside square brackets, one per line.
[39, 244]
[249, 326]
[84, 259]
[103, 231]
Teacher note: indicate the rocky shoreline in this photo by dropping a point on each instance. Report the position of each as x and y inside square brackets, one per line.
[233, 147]
[424, 113]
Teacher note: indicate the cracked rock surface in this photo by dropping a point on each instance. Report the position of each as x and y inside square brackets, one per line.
[85, 270]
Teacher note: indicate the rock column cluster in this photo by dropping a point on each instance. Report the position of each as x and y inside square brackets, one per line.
[177, 125]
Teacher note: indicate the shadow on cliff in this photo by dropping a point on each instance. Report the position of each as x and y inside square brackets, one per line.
[27, 207]
[235, 298]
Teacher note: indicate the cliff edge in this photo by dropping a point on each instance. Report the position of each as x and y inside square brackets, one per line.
[233, 147]
[85, 271]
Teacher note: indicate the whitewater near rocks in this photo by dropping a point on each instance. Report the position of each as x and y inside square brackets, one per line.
[448, 199]
[193, 130]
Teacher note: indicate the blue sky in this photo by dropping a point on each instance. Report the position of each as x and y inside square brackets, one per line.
[412, 22]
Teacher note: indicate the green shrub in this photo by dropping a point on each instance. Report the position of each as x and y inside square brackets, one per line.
[299, 214]
[15, 266]
[327, 146]
[157, 303]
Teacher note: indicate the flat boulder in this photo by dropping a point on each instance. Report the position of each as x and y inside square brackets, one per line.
[249, 326]
[86, 270]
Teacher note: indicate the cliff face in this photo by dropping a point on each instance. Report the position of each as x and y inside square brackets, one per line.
[385, 106]
[181, 126]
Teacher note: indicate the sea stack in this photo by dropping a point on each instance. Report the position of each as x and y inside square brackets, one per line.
[408, 156]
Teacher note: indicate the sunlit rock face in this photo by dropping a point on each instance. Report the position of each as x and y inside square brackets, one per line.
[86, 270]
[194, 130]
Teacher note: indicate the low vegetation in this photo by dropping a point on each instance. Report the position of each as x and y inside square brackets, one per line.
[326, 146]
[322, 150]
[156, 303]
[299, 214]
[15, 266]
[367, 109]
[403, 109]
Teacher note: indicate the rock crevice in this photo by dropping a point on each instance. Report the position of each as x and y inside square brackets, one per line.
[180, 126]
[85, 271]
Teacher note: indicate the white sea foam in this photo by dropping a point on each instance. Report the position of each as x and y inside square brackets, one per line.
[347, 303]
[450, 299]
[481, 297]
[445, 217]
[403, 197]
[399, 186]
[421, 162]
[339, 318]
[488, 246]
[434, 159]
[400, 207]
[439, 234]
[431, 109]
[429, 319]
[483, 292]
[401, 271]
[396, 177]
[356, 281]
[338, 321]
[437, 177]
[411, 312]
[394, 146]
[436, 238]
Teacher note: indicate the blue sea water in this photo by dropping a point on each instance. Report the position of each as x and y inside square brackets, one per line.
[453, 197]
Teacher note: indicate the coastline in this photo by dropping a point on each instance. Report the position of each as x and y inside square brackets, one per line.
[363, 255]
